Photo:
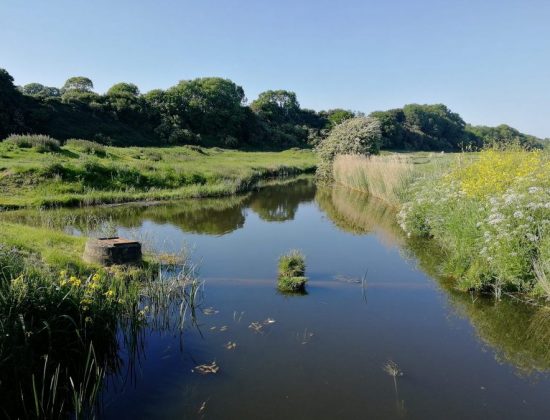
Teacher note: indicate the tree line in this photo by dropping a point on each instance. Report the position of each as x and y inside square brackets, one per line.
[213, 111]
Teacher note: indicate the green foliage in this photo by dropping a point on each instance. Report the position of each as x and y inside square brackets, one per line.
[73, 177]
[78, 83]
[338, 116]
[503, 136]
[355, 136]
[212, 111]
[422, 127]
[87, 146]
[491, 214]
[40, 91]
[277, 106]
[39, 142]
[291, 271]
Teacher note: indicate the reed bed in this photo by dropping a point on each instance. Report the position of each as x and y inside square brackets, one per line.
[384, 177]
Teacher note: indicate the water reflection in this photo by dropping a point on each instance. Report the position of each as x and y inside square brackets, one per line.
[518, 333]
[209, 216]
[334, 343]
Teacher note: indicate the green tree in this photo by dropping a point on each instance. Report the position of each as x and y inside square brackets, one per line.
[78, 83]
[11, 106]
[277, 106]
[124, 89]
[337, 116]
[40, 91]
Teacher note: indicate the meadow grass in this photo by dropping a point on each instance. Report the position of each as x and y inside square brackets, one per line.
[79, 173]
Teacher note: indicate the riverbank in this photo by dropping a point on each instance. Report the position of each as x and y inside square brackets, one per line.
[489, 211]
[80, 174]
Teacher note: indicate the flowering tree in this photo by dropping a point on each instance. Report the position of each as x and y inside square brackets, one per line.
[355, 136]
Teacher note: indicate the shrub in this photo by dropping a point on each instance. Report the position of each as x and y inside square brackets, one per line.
[87, 146]
[356, 136]
[292, 269]
[37, 141]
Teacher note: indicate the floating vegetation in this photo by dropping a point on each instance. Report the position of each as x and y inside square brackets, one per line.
[230, 345]
[207, 369]
[392, 369]
[346, 279]
[292, 267]
[210, 311]
[223, 328]
[256, 327]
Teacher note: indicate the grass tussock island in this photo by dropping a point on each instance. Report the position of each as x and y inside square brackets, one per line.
[36, 171]
[489, 211]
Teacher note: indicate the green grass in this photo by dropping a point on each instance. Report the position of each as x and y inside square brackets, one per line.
[61, 321]
[78, 175]
[291, 271]
[56, 248]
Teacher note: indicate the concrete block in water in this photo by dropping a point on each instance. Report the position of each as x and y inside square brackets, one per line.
[109, 251]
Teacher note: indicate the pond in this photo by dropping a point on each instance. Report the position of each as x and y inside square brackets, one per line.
[373, 297]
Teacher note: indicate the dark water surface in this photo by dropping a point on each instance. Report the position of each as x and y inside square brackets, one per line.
[323, 357]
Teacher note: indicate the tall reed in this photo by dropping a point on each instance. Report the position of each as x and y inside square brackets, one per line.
[384, 177]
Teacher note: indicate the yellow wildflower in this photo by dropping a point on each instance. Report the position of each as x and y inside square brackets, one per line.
[74, 281]
[109, 293]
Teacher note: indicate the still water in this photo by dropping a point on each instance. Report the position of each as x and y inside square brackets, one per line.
[322, 355]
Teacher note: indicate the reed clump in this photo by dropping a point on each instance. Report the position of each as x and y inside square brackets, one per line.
[292, 268]
[383, 177]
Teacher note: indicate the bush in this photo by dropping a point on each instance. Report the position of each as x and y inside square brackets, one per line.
[37, 141]
[87, 146]
[292, 269]
[356, 136]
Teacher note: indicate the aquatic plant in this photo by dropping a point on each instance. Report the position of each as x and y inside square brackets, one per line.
[49, 319]
[392, 369]
[291, 272]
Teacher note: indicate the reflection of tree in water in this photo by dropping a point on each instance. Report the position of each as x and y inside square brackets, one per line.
[518, 333]
[211, 216]
[280, 202]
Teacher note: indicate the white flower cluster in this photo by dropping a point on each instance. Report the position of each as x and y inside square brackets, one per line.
[504, 232]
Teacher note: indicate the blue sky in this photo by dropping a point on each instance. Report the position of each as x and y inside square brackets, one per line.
[487, 60]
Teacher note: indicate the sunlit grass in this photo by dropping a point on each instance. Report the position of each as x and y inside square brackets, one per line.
[79, 175]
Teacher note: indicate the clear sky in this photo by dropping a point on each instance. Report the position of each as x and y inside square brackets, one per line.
[488, 60]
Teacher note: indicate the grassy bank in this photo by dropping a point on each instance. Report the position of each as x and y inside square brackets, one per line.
[61, 320]
[489, 211]
[82, 173]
